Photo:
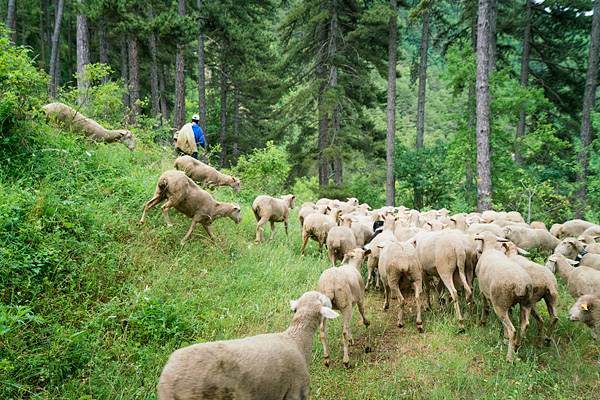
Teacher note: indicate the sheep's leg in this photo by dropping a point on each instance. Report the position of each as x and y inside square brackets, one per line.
[272, 230]
[540, 325]
[525, 311]
[439, 290]
[426, 286]
[333, 260]
[551, 303]
[370, 267]
[165, 210]
[259, 227]
[209, 231]
[153, 201]
[324, 342]
[376, 278]
[447, 279]
[417, 288]
[484, 309]
[286, 224]
[320, 247]
[396, 289]
[361, 310]
[386, 296]
[304, 242]
[510, 331]
[346, 336]
[189, 232]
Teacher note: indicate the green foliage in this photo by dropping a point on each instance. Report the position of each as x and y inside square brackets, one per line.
[14, 317]
[264, 171]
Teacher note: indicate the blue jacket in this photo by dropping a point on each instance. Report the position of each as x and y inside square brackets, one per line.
[199, 136]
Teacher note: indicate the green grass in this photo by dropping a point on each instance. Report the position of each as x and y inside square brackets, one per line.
[109, 300]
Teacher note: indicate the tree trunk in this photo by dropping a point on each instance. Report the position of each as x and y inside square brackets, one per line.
[338, 178]
[417, 193]
[589, 98]
[164, 110]
[153, 69]
[201, 74]
[179, 107]
[236, 124]
[83, 54]
[493, 10]
[124, 71]
[471, 104]
[223, 118]
[103, 44]
[484, 176]
[43, 47]
[54, 75]
[524, 79]
[134, 79]
[323, 125]
[390, 183]
[10, 15]
[70, 50]
[47, 34]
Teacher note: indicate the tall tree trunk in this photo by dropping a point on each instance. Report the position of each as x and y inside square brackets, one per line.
[201, 73]
[472, 115]
[70, 50]
[323, 126]
[42, 42]
[390, 140]
[338, 178]
[103, 44]
[125, 71]
[493, 10]
[47, 34]
[418, 194]
[164, 110]
[11, 22]
[83, 54]
[223, 118]
[54, 81]
[589, 98]
[134, 79]
[23, 25]
[153, 69]
[179, 107]
[236, 124]
[484, 176]
[524, 79]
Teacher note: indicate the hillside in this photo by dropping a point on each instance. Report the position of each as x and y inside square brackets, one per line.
[91, 304]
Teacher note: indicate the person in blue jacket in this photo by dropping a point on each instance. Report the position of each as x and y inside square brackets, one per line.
[198, 135]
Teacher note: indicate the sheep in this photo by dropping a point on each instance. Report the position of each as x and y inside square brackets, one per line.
[269, 209]
[593, 230]
[92, 130]
[341, 240]
[387, 234]
[515, 216]
[504, 223]
[544, 287]
[317, 226]
[403, 234]
[345, 287]
[505, 284]
[460, 222]
[479, 228]
[490, 215]
[399, 267]
[538, 225]
[590, 243]
[531, 238]
[574, 250]
[570, 228]
[187, 198]
[268, 366]
[587, 310]
[205, 175]
[446, 254]
[580, 280]
[310, 209]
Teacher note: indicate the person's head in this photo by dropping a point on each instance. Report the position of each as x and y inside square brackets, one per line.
[195, 118]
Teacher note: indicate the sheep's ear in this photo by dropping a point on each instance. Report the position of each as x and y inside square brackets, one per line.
[572, 262]
[352, 253]
[396, 219]
[367, 252]
[428, 223]
[452, 219]
[520, 250]
[412, 240]
[381, 245]
[233, 178]
[328, 313]
[294, 305]
[478, 237]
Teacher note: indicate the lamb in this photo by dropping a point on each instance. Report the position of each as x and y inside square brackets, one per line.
[580, 280]
[92, 130]
[344, 286]
[531, 238]
[387, 234]
[269, 366]
[317, 226]
[574, 227]
[587, 310]
[590, 243]
[205, 175]
[505, 284]
[446, 254]
[574, 250]
[399, 267]
[187, 198]
[269, 209]
[544, 287]
[341, 240]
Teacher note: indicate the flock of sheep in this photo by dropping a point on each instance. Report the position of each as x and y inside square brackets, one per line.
[404, 249]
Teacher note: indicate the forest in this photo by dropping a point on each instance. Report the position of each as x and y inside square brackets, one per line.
[464, 105]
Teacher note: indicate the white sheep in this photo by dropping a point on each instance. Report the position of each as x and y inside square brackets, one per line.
[387, 234]
[531, 238]
[310, 208]
[269, 209]
[538, 225]
[590, 243]
[345, 287]
[574, 250]
[187, 198]
[580, 280]
[205, 175]
[544, 287]
[317, 226]
[573, 227]
[399, 267]
[504, 283]
[587, 310]
[91, 129]
[341, 240]
[269, 366]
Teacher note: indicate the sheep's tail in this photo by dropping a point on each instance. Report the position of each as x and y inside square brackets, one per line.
[256, 211]
[330, 293]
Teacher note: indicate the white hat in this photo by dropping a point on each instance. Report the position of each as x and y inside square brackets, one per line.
[195, 117]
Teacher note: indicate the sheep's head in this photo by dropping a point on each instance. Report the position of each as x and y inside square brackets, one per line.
[569, 247]
[126, 138]
[236, 213]
[235, 184]
[314, 300]
[584, 305]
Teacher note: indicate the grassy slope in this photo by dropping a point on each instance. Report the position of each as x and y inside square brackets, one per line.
[131, 295]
